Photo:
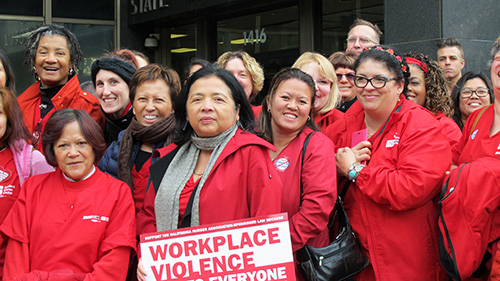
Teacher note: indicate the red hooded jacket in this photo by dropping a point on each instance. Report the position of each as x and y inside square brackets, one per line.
[390, 205]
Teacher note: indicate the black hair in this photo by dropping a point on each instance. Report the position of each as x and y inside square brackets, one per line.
[182, 127]
[455, 94]
[265, 128]
[392, 59]
[51, 30]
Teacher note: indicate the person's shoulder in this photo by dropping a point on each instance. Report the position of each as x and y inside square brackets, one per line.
[318, 139]
[244, 138]
[160, 152]
[417, 115]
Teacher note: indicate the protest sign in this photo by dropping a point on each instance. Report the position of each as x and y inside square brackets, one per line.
[254, 249]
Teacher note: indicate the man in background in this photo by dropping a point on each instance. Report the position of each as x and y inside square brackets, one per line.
[362, 34]
[450, 56]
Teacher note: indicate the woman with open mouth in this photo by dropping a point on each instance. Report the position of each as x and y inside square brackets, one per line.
[472, 92]
[111, 75]
[53, 55]
[309, 179]
[153, 90]
[390, 197]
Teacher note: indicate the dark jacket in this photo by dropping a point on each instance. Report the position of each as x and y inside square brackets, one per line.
[115, 126]
[109, 161]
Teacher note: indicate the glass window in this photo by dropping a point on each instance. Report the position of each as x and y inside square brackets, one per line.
[13, 41]
[182, 48]
[94, 41]
[24, 7]
[259, 33]
[87, 9]
[338, 18]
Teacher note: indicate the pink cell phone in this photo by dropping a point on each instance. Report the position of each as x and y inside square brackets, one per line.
[358, 137]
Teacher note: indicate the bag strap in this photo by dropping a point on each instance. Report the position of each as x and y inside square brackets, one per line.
[477, 119]
[441, 218]
[304, 149]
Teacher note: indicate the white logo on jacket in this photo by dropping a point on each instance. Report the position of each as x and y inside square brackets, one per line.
[393, 142]
[6, 190]
[96, 218]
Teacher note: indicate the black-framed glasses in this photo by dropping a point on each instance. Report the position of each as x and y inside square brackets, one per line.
[377, 82]
[480, 92]
[348, 76]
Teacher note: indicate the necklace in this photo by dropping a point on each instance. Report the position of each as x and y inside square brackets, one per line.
[198, 174]
[277, 152]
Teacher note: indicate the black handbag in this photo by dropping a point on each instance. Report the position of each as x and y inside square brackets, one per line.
[339, 260]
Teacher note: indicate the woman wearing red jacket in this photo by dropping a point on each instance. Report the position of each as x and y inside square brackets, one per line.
[389, 202]
[217, 170]
[309, 180]
[480, 142]
[427, 87]
[53, 55]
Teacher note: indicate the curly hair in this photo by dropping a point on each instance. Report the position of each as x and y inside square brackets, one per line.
[252, 66]
[437, 98]
[75, 52]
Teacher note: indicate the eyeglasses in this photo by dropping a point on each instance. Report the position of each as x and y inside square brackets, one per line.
[362, 40]
[377, 82]
[348, 76]
[480, 92]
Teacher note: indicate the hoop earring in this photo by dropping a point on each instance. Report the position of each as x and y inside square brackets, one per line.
[185, 126]
[309, 118]
[71, 72]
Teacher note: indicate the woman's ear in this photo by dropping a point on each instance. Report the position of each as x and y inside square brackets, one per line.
[238, 113]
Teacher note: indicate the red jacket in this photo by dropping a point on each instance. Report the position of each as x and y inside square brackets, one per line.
[449, 129]
[243, 183]
[324, 120]
[309, 221]
[390, 205]
[70, 96]
[479, 145]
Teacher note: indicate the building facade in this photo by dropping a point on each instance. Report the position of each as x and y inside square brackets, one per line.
[275, 32]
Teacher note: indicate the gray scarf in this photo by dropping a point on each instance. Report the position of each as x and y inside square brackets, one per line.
[178, 173]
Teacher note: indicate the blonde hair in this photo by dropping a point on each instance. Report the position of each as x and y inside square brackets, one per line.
[326, 70]
[252, 66]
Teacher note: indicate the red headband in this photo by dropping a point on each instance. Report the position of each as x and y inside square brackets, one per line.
[421, 64]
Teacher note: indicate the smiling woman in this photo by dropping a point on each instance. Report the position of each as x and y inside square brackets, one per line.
[53, 54]
[309, 188]
[389, 202]
[111, 75]
[77, 222]
[153, 90]
[472, 91]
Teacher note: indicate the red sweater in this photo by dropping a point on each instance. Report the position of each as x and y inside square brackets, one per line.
[90, 237]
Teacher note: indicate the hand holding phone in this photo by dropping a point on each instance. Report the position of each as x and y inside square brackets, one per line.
[358, 137]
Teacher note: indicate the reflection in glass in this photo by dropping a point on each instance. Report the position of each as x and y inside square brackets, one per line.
[259, 33]
[94, 41]
[14, 35]
[338, 18]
